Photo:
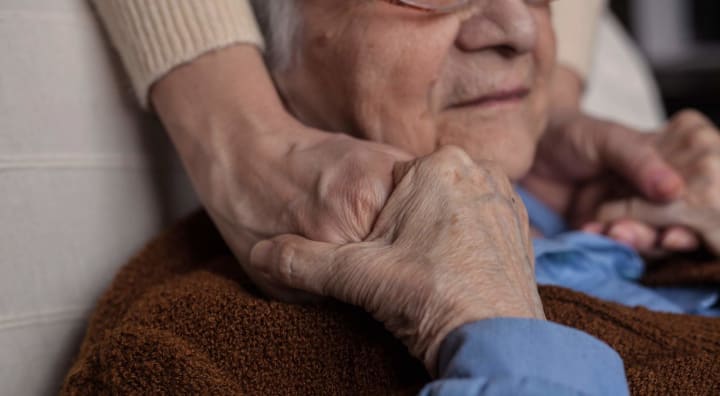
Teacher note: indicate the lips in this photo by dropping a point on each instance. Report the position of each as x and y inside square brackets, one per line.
[498, 97]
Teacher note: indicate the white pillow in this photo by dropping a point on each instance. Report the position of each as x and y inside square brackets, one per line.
[621, 86]
[85, 181]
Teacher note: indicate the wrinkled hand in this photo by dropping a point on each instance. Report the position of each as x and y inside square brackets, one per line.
[578, 149]
[258, 171]
[450, 247]
[691, 143]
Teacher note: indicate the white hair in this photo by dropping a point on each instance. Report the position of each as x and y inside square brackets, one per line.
[279, 21]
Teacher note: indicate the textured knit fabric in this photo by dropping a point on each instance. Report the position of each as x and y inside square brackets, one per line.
[181, 318]
[156, 36]
[576, 23]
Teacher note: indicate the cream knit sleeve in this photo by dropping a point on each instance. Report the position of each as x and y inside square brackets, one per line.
[576, 22]
[155, 36]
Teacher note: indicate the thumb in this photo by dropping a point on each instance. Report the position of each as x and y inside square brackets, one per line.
[634, 156]
[291, 261]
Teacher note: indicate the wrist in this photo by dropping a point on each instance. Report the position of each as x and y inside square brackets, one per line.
[222, 98]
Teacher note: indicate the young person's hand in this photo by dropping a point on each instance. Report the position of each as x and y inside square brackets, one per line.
[259, 172]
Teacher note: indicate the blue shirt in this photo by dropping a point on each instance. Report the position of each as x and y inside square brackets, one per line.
[603, 268]
[525, 357]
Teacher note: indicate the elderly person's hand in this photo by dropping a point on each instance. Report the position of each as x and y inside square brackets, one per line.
[272, 175]
[691, 143]
[578, 149]
[451, 247]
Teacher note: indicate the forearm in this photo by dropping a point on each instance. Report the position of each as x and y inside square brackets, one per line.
[154, 37]
[222, 99]
[232, 132]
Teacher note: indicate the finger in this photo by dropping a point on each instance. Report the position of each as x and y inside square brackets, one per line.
[688, 132]
[703, 222]
[655, 215]
[679, 239]
[636, 158]
[635, 234]
[291, 261]
[687, 120]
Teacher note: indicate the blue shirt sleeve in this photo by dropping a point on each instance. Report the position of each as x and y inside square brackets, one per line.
[525, 357]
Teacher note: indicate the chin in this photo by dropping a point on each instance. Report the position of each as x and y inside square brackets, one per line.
[515, 169]
[510, 146]
[518, 160]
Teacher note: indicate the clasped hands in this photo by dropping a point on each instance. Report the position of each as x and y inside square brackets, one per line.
[451, 245]
[427, 244]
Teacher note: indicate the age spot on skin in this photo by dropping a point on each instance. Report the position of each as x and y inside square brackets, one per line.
[457, 177]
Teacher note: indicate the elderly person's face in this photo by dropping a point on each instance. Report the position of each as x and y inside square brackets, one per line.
[477, 78]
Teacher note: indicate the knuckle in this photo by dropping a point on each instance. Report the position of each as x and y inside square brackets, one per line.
[702, 138]
[364, 197]
[357, 158]
[643, 153]
[355, 188]
[453, 156]
[688, 117]
[493, 173]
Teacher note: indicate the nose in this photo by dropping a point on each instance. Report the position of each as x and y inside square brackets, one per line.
[504, 25]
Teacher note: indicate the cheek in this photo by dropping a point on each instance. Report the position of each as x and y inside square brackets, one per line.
[544, 59]
[397, 65]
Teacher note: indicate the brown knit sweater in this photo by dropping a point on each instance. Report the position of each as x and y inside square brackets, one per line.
[181, 318]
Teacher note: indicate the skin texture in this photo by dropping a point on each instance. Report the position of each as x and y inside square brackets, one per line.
[260, 173]
[582, 158]
[477, 262]
[399, 76]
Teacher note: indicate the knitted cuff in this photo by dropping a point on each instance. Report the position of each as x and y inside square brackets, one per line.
[153, 37]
